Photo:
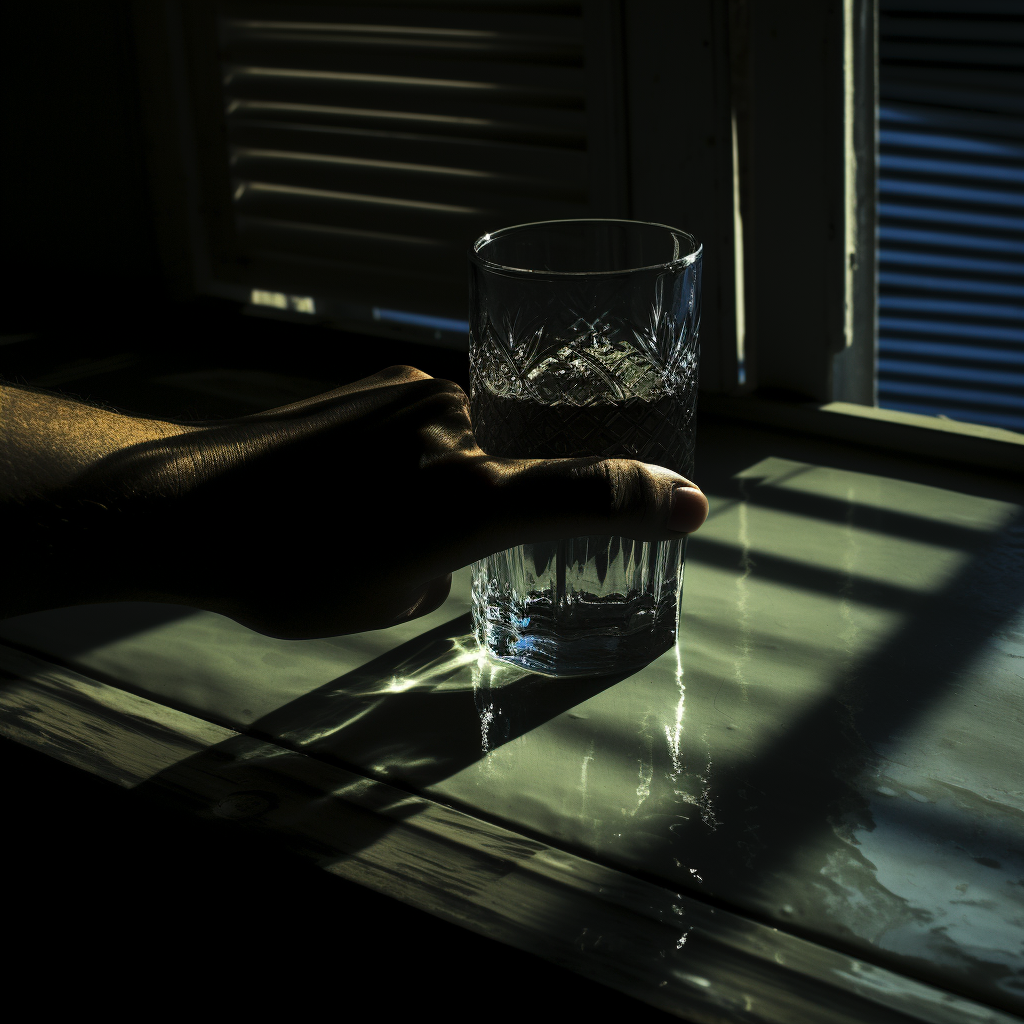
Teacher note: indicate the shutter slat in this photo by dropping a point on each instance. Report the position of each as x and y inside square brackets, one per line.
[452, 125]
[314, 45]
[952, 54]
[932, 243]
[562, 167]
[516, 82]
[942, 90]
[989, 125]
[922, 31]
[403, 92]
[367, 211]
[1003, 233]
[361, 174]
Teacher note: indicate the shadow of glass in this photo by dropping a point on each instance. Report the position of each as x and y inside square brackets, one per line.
[408, 718]
[425, 710]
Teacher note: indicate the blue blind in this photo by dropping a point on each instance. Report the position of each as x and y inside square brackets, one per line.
[951, 209]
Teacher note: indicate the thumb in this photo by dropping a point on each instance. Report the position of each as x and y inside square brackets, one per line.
[551, 499]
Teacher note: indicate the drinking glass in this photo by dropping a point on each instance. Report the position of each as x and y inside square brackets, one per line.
[583, 341]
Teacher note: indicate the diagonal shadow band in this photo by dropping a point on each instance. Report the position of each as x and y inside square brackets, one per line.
[789, 572]
[423, 711]
[888, 521]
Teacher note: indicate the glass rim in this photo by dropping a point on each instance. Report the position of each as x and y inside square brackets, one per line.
[682, 261]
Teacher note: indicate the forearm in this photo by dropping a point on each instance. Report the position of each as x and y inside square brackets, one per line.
[66, 528]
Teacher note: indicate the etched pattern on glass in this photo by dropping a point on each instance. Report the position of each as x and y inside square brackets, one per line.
[559, 385]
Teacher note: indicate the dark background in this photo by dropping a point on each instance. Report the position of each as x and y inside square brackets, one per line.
[94, 300]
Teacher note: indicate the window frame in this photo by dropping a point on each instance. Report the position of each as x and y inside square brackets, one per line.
[804, 86]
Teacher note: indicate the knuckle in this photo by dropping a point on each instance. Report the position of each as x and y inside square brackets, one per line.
[622, 479]
[633, 493]
[401, 371]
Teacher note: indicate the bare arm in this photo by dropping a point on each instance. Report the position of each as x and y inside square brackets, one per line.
[345, 512]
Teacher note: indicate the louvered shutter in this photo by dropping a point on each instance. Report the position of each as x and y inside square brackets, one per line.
[951, 209]
[352, 153]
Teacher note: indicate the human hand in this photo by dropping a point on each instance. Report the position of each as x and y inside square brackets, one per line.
[349, 511]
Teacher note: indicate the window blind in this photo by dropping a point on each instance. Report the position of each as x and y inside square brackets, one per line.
[951, 209]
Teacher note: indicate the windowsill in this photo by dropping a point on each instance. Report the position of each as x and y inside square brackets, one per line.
[909, 433]
[848, 656]
[674, 952]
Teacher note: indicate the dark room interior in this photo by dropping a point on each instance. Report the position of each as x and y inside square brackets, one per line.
[216, 209]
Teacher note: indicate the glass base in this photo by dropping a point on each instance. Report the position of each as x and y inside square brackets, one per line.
[591, 654]
[580, 607]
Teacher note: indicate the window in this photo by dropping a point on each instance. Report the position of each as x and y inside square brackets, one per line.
[340, 158]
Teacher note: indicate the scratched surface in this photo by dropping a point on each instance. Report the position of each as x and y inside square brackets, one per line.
[833, 746]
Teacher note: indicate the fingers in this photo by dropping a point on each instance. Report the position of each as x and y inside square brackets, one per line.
[550, 499]
[389, 375]
[382, 378]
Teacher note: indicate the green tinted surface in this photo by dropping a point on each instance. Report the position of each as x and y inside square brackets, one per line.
[833, 746]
